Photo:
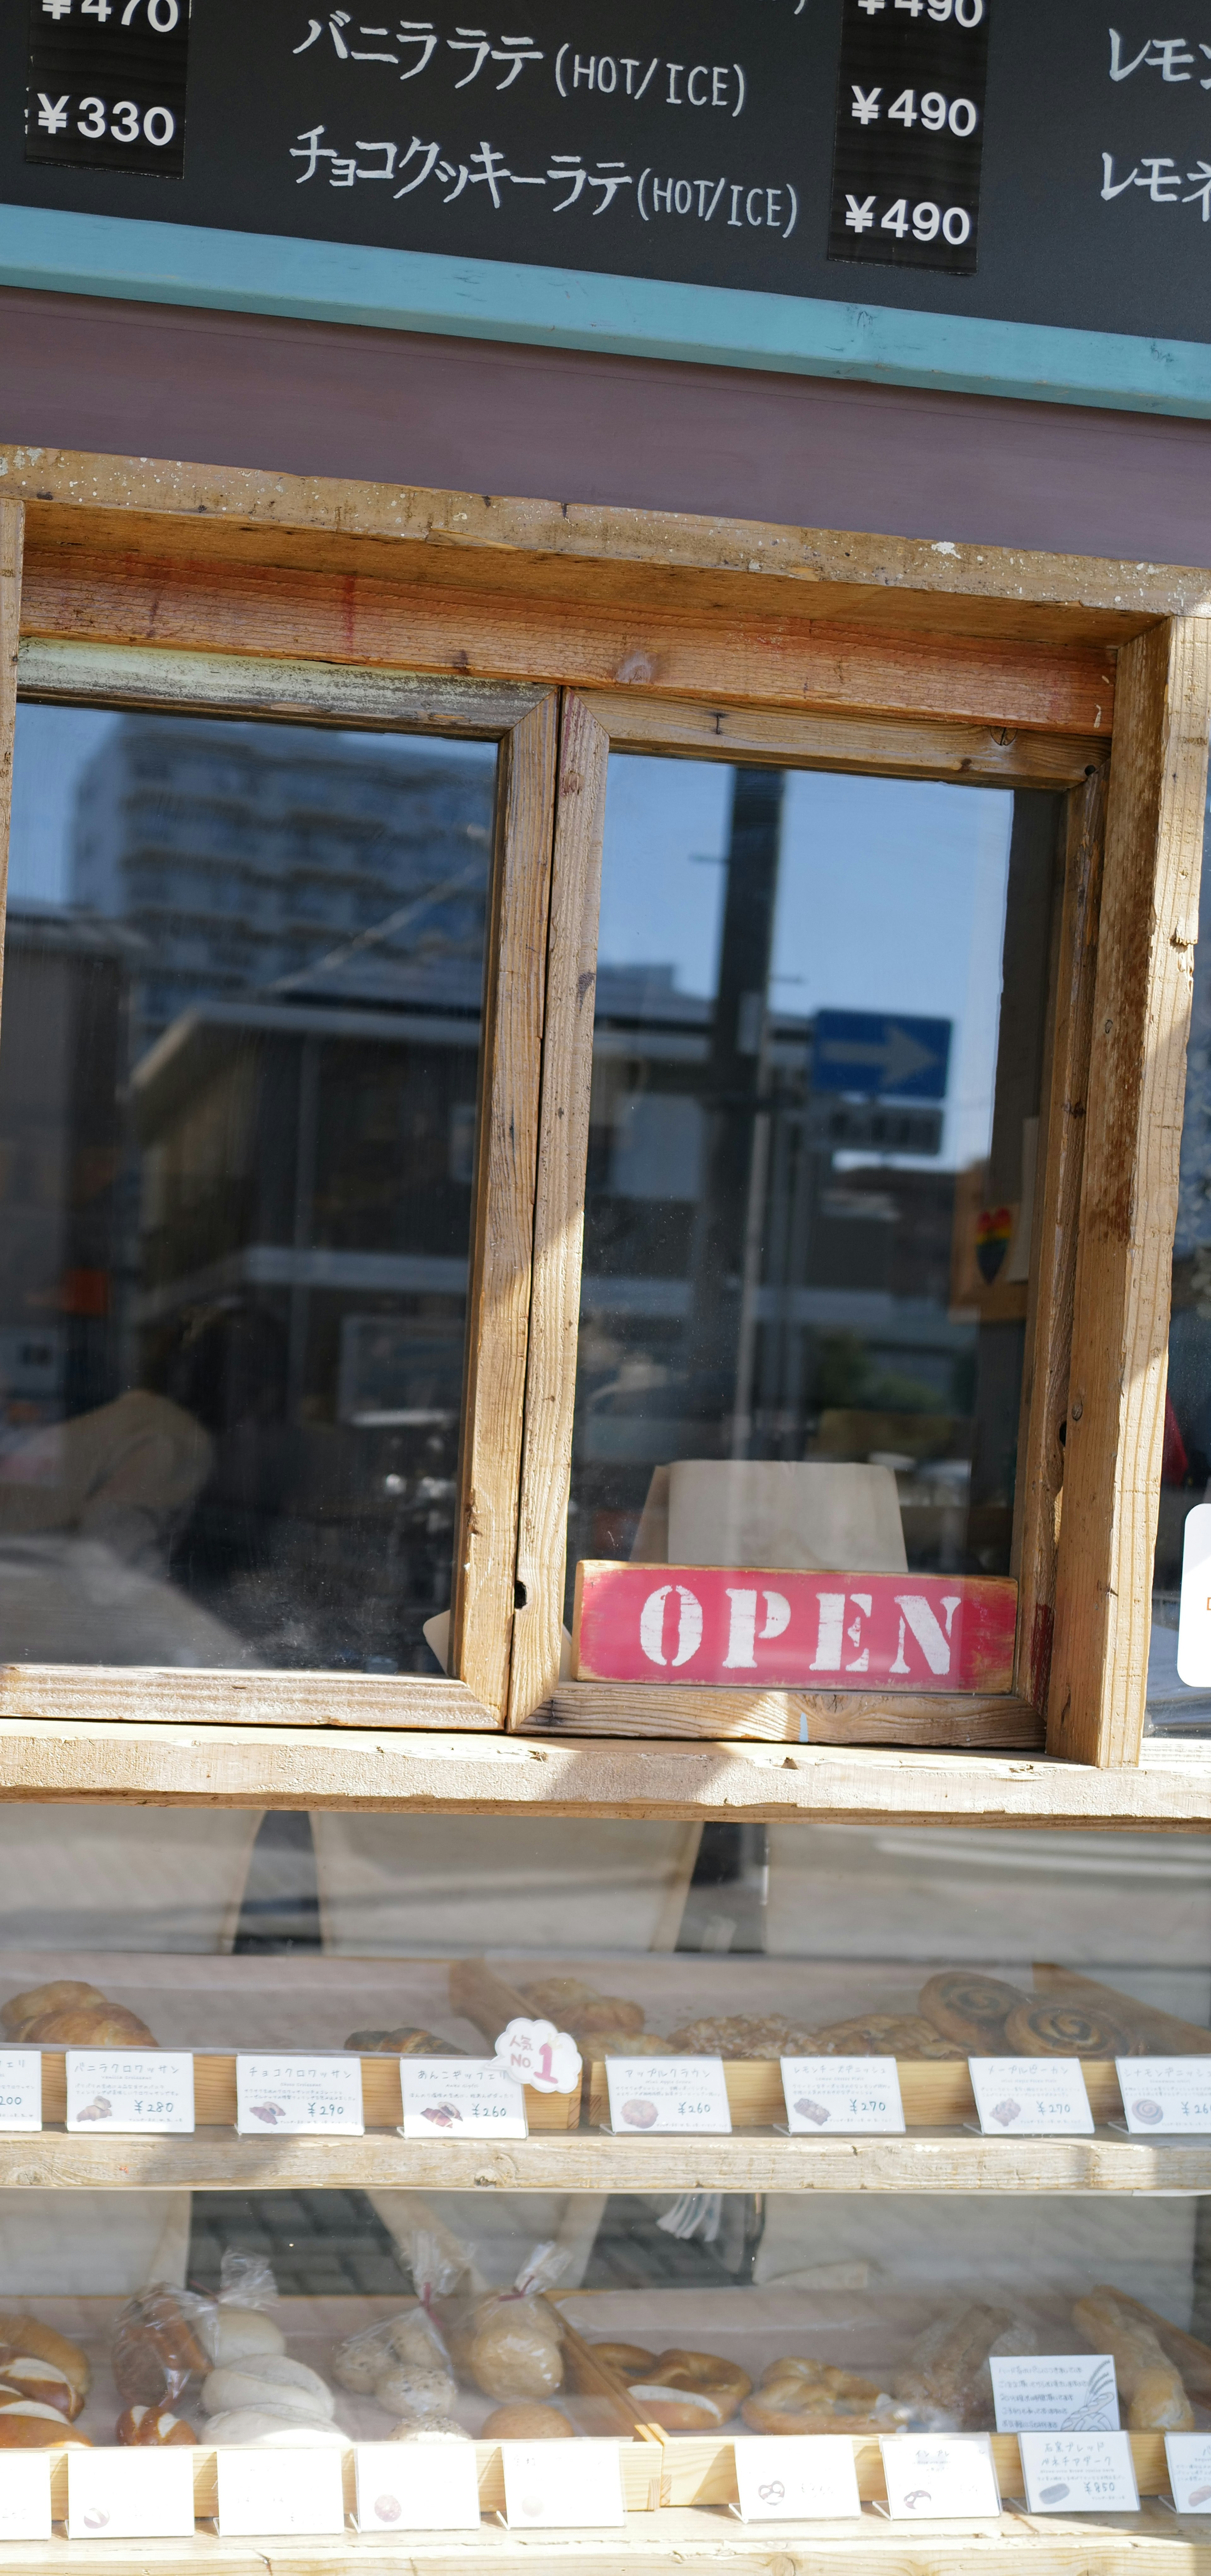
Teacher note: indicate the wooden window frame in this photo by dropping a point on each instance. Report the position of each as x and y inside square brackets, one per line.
[562, 635]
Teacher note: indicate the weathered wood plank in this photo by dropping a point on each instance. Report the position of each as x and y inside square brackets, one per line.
[1149, 925]
[668, 1709]
[1054, 1239]
[567, 1074]
[177, 1696]
[970, 754]
[212, 1766]
[311, 518]
[498, 1294]
[147, 675]
[757, 652]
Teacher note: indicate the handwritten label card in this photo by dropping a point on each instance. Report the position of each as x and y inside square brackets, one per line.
[563, 2486]
[842, 2094]
[264, 2493]
[20, 2088]
[129, 2089]
[797, 2477]
[450, 2097]
[1031, 2097]
[299, 2097]
[1079, 2472]
[939, 2477]
[656, 2094]
[1166, 2096]
[130, 2495]
[25, 2496]
[1189, 2461]
[1063, 2392]
[535, 2052]
[417, 2486]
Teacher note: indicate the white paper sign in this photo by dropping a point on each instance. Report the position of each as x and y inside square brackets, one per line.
[25, 2496]
[842, 2094]
[797, 2477]
[1166, 2096]
[450, 2097]
[1194, 1612]
[298, 2097]
[650, 2094]
[1063, 2392]
[563, 2486]
[535, 2052]
[417, 2486]
[130, 2495]
[1079, 2472]
[935, 2477]
[1189, 2459]
[129, 2089]
[1031, 2097]
[20, 2088]
[263, 2493]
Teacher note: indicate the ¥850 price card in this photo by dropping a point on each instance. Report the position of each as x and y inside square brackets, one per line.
[655, 2094]
[298, 2097]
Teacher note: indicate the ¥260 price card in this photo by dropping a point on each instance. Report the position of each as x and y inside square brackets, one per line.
[128, 2090]
[1166, 2097]
[652, 2095]
[299, 2097]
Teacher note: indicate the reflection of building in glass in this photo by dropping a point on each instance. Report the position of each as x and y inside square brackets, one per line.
[249, 856]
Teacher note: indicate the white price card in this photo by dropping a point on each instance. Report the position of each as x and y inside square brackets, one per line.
[130, 2089]
[417, 2486]
[130, 2495]
[298, 2097]
[848, 2094]
[1189, 2460]
[1166, 2096]
[563, 2486]
[264, 2493]
[1079, 2472]
[20, 2088]
[935, 2477]
[25, 2496]
[1031, 2097]
[451, 2097]
[797, 2477]
[535, 2052]
[659, 2093]
[1062, 2392]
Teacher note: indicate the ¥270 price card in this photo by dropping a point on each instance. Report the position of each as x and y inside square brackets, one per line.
[1031, 2097]
[844, 2095]
[299, 2097]
[653, 2095]
[128, 2090]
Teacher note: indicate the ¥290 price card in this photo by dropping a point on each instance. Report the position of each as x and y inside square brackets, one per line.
[299, 2097]
[129, 2090]
[842, 2095]
[651, 2095]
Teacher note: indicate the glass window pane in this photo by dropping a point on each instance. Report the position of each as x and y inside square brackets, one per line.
[1179, 1701]
[818, 1055]
[237, 1135]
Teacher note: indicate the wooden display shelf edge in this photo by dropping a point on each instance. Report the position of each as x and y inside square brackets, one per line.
[944, 2160]
[969, 1720]
[203, 1765]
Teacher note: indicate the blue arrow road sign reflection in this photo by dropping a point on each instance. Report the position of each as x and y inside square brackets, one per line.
[881, 1055]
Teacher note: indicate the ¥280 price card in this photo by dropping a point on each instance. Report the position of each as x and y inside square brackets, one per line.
[129, 2090]
[299, 2097]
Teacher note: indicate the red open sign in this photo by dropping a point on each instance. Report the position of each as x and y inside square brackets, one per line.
[779, 1628]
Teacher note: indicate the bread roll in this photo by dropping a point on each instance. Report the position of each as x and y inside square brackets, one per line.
[59, 1996]
[231, 2333]
[515, 2358]
[1148, 2382]
[27, 2427]
[21, 2334]
[409, 2388]
[26, 2376]
[526, 2424]
[435, 2428]
[151, 2428]
[267, 2379]
[948, 2364]
[269, 2428]
[155, 2349]
[98, 2025]
[360, 2361]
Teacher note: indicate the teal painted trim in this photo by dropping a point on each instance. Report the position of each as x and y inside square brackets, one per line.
[559, 308]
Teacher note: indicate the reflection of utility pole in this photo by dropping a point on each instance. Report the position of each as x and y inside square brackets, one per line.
[728, 1234]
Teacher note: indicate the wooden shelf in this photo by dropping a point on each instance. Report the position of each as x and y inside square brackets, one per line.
[130, 1762]
[584, 2160]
